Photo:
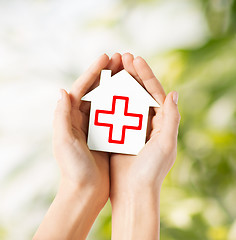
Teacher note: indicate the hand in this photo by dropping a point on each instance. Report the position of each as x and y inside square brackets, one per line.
[80, 167]
[84, 187]
[150, 166]
[136, 180]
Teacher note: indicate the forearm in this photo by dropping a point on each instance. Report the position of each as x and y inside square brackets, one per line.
[136, 216]
[70, 216]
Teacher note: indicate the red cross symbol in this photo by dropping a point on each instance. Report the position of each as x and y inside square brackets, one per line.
[118, 119]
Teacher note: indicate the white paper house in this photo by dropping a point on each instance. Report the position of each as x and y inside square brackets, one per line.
[118, 114]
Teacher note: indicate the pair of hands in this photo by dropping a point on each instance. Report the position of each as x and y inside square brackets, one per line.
[89, 178]
[115, 174]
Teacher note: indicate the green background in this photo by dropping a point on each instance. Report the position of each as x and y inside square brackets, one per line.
[198, 197]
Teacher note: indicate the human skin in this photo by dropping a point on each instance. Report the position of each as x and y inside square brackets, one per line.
[136, 180]
[84, 185]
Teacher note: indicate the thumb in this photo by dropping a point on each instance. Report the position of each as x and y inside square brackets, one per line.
[171, 119]
[62, 118]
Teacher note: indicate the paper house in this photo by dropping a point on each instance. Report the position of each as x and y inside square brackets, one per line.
[118, 114]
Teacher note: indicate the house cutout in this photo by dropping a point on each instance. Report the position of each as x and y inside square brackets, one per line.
[118, 114]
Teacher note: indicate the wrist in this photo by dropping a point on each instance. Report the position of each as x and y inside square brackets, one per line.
[134, 193]
[133, 211]
[87, 192]
[73, 211]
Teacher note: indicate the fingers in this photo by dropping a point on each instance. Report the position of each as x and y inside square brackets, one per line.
[171, 119]
[127, 60]
[86, 80]
[149, 80]
[62, 118]
[114, 63]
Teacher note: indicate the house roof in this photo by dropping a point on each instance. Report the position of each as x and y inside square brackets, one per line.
[122, 83]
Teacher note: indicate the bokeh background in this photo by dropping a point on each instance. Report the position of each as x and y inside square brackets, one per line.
[191, 46]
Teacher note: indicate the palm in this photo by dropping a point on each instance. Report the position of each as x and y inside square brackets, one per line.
[134, 167]
[151, 162]
[91, 162]
[78, 164]
[92, 166]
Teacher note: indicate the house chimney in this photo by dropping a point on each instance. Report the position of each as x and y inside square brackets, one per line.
[105, 76]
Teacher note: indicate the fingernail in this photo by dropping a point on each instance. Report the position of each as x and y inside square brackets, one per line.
[128, 53]
[104, 54]
[175, 97]
[60, 95]
[115, 54]
[138, 58]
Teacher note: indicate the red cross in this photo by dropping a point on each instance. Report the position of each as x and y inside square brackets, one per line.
[111, 125]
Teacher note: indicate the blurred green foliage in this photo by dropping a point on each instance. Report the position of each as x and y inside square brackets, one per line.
[3, 232]
[198, 198]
